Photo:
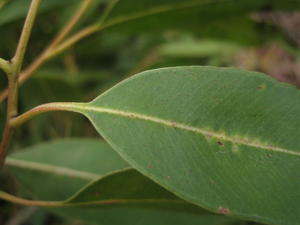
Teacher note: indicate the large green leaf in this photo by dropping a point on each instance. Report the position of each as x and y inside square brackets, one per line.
[116, 195]
[224, 139]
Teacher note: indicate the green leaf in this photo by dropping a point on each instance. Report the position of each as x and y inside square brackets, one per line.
[65, 163]
[149, 14]
[130, 198]
[224, 139]
[201, 48]
[17, 9]
[110, 193]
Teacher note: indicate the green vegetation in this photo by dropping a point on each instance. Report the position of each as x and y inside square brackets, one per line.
[125, 112]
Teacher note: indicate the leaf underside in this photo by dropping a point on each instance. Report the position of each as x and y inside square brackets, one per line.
[224, 139]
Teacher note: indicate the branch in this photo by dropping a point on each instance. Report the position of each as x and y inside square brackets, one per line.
[107, 11]
[84, 32]
[26, 32]
[12, 75]
[71, 41]
[97, 27]
[54, 48]
[70, 25]
[44, 56]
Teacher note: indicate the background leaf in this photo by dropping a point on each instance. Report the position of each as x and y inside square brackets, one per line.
[114, 194]
[64, 165]
[17, 9]
[148, 14]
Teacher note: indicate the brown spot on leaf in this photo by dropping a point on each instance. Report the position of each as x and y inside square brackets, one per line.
[220, 143]
[132, 116]
[223, 211]
[261, 87]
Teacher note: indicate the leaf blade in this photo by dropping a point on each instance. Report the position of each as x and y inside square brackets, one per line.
[238, 159]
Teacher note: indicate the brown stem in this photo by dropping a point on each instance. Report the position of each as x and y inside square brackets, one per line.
[74, 39]
[12, 104]
[72, 22]
[5, 143]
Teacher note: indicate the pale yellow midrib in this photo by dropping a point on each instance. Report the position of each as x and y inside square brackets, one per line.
[62, 171]
[174, 124]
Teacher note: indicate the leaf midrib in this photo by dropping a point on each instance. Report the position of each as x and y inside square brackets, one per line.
[83, 108]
